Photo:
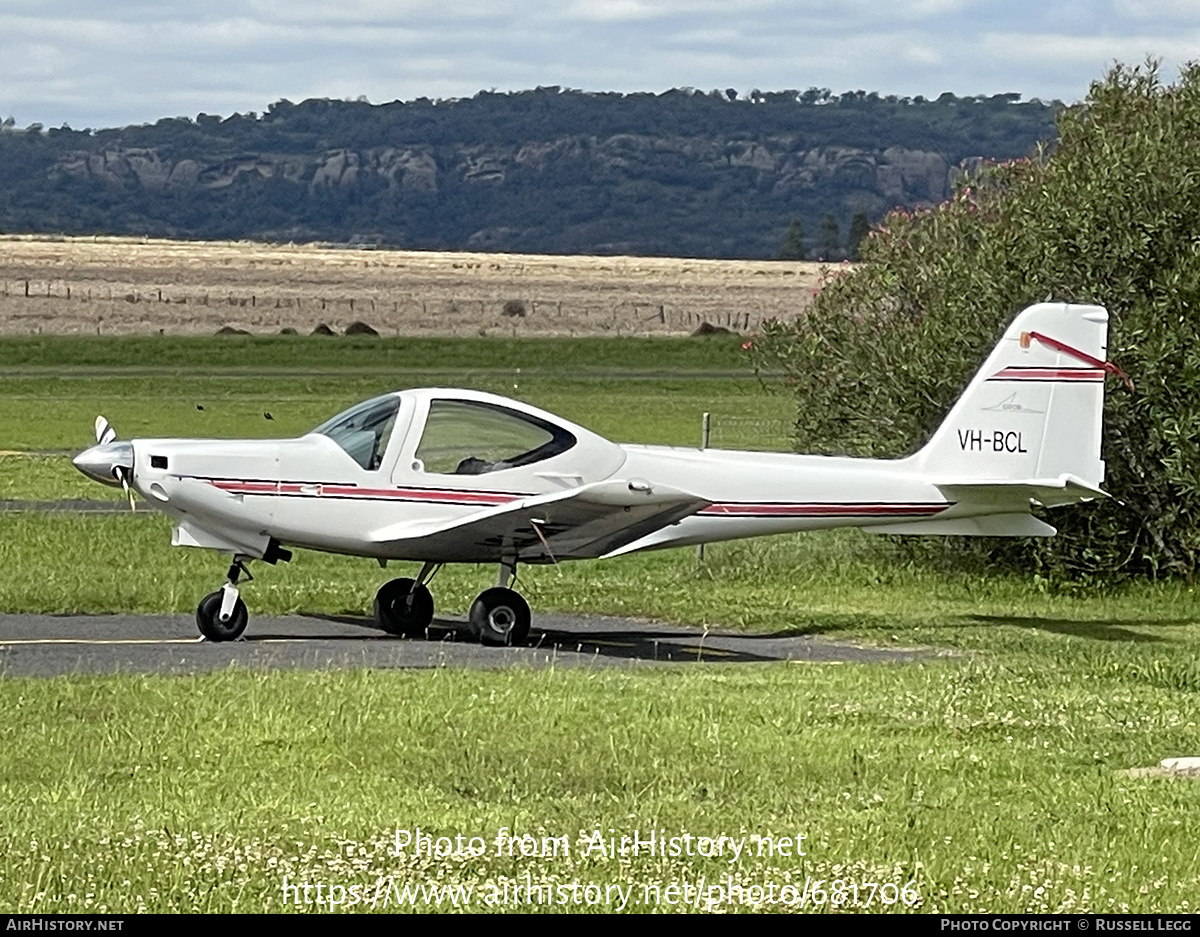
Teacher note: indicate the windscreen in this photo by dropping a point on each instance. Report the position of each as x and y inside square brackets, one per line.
[363, 430]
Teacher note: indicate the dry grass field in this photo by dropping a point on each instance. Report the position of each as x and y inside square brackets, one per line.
[112, 286]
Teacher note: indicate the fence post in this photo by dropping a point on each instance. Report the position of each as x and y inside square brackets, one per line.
[705, 424]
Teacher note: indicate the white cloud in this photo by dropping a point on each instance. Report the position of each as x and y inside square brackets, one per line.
[1050, 48]
[921, 55]
[1177, 10]
[126, 61]
[919, 9]
[706, 37]
[37, 60]
[410, 13]
[615, 11]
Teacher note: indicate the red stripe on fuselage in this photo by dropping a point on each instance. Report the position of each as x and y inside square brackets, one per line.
[354, 492]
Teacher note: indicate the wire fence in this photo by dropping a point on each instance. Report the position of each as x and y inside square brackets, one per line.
[101, 306]
[751, 433]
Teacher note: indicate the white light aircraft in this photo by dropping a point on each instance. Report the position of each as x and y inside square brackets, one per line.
[459, 476]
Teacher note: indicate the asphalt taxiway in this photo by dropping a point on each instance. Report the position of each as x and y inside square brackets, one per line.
[51, 645]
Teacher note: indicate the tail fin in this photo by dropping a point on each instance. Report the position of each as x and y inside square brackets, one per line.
[1032, 414]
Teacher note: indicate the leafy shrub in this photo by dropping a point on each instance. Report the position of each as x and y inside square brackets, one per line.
[1111, 217]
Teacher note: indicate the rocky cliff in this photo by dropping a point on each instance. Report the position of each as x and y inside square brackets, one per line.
[622, 170]
[881, 177]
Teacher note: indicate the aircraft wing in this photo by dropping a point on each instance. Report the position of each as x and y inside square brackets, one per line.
[580, 523]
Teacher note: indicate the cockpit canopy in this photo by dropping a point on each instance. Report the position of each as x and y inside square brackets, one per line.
[460, 436]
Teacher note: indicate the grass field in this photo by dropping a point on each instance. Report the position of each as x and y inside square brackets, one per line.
[989, 774]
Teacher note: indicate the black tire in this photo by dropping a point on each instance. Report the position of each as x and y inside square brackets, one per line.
[395, 614]
[500, 617]
[208, 618]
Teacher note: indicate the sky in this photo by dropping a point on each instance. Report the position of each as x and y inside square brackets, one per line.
[107, 63]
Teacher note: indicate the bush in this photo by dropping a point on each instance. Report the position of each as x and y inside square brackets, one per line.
[1111, 217]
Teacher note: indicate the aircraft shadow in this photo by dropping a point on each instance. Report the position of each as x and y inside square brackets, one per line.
[646, 644]
[650, 646]
[1085, 628]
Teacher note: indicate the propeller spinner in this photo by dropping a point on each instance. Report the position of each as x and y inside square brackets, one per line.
[110, 461]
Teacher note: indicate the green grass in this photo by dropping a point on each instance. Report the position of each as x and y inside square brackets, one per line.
[50, 413]
[40, 414]
[989, 786]
[48, 478]
[300, 353]
[988, 773]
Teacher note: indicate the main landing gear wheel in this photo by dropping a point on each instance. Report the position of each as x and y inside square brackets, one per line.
[208, 617]
[500, 616]
[402, 609]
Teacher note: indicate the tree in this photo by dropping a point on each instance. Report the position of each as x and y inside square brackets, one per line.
[859, 228]
[792, 247]
[829, 238]
[1110, 218]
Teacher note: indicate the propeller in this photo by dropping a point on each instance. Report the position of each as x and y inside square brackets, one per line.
[105, 434]
[104, 431]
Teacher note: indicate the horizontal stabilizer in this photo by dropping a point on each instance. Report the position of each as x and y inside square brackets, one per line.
[1020, 493]
[988, 525]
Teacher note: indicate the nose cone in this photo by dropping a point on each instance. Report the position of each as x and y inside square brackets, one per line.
[101, 462]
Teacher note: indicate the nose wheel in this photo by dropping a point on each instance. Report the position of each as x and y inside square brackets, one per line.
[208, 618]
[222, 615]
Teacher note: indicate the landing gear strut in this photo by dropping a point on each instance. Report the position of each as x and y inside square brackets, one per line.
[405, 606]
[222, 615]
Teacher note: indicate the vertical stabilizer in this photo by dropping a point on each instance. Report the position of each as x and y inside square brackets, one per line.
[1034, 410]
